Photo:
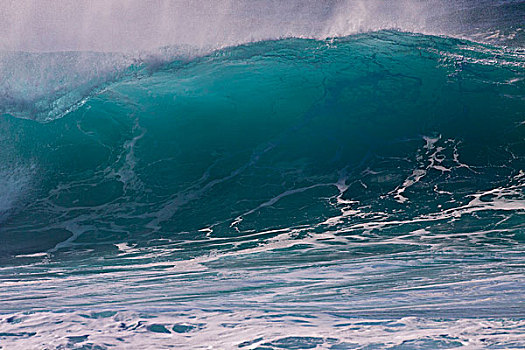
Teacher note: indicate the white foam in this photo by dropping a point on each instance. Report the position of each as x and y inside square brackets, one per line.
[228, 330]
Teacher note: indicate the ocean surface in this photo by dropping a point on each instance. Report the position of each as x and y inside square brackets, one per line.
[357, 191]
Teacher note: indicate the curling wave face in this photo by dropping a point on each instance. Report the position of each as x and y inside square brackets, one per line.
[316, 183]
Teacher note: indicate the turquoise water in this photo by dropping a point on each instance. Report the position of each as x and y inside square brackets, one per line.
[363, 192]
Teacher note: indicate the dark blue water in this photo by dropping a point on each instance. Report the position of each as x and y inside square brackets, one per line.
[361, 192]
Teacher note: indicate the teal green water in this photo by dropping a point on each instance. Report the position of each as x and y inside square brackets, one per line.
[321, 183]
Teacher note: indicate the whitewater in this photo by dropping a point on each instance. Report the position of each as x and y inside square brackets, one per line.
[262, 174]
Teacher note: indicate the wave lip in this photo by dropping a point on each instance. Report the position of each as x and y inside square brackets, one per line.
[47, 86]
[43, 86]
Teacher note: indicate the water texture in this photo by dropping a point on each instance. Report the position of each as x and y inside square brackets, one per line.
[365, 191]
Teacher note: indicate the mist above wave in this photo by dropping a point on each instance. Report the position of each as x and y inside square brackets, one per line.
[130, 25]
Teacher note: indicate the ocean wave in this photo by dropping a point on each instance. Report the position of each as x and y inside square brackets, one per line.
[385, 120]
[292, 193]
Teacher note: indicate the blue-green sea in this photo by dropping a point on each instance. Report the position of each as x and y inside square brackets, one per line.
[357, 192]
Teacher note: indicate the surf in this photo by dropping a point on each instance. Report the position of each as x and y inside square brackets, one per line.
[292, 187]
